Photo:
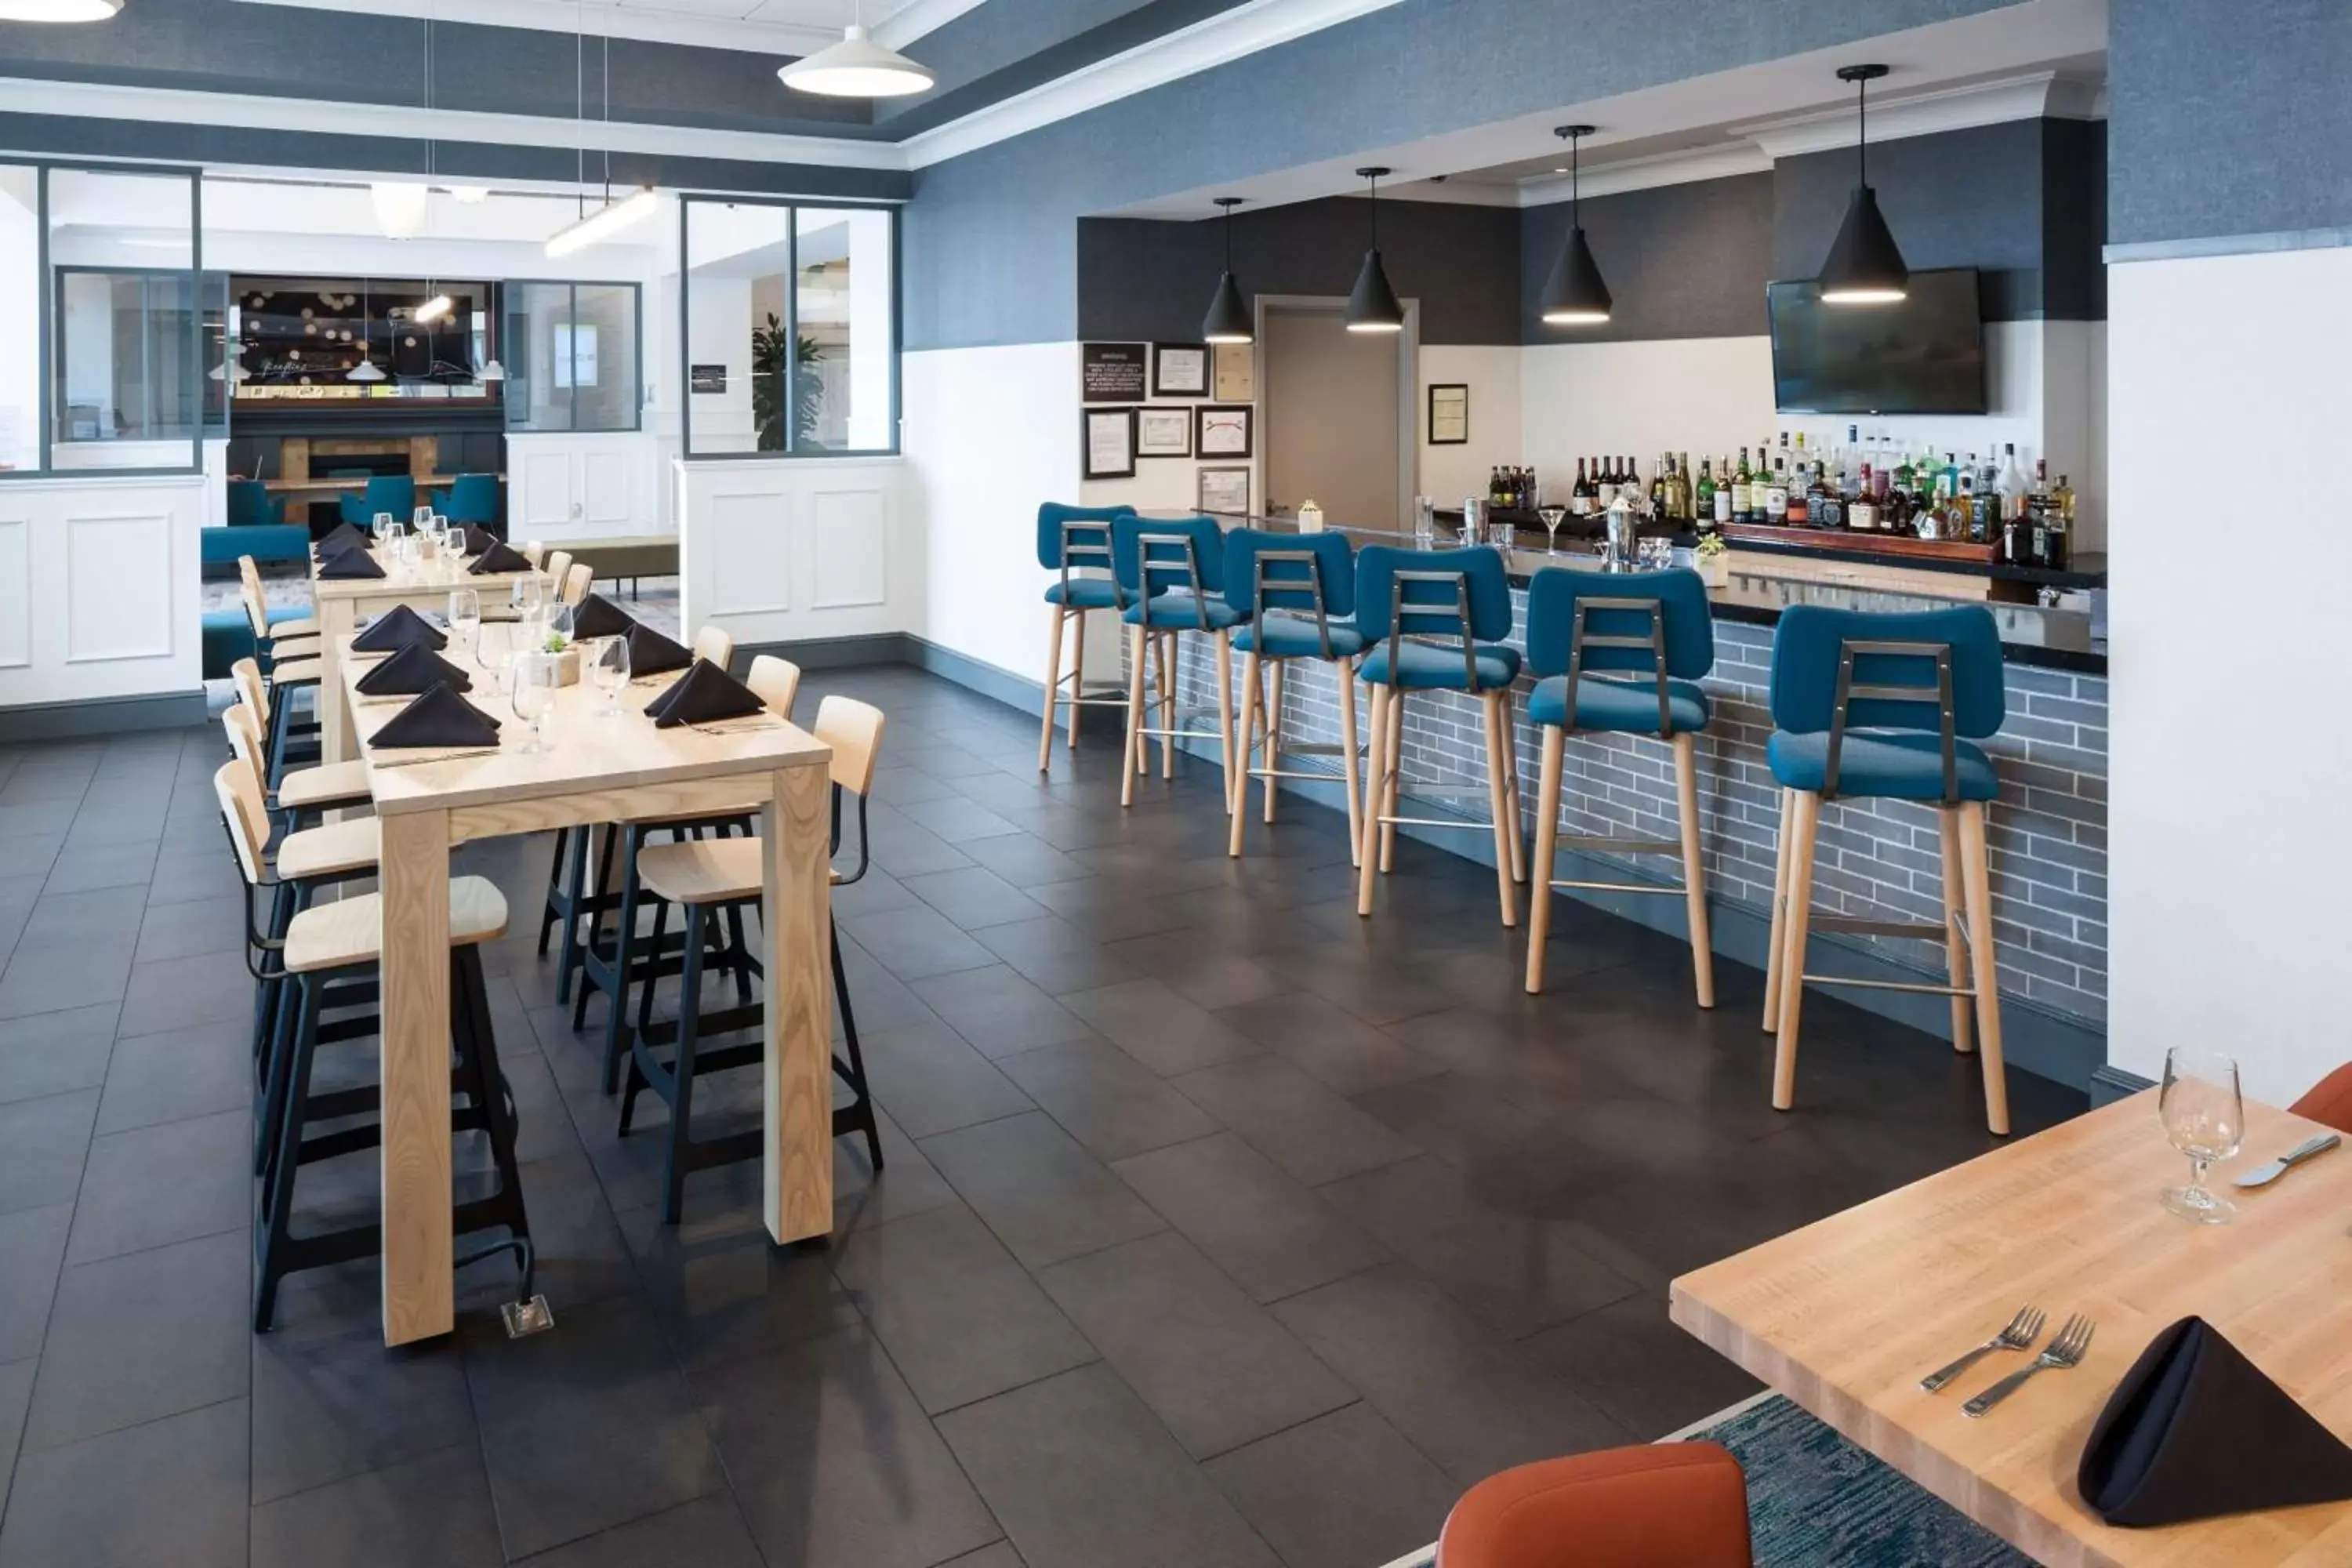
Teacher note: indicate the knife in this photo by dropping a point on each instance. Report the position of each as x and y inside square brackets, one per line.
[2264, 1175]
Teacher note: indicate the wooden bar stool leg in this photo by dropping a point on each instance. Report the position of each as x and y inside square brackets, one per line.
[1222, 648]
[1349, 769]
[1375, 800]
[1978, 870]
[1779, 913]
[1052, 686]
[1273, 735]
[1171, 665]
[1137, 718]
[1078, 619]
[1392, 795]
[1507, 880]
[1799, 832]
[1955, 914]
[1702, 939]
[1236, 803]
[1511, 785]
[1540, 872]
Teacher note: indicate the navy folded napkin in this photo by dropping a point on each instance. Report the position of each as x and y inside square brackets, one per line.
[397, 629]
[477, 539]
[414, 668]
[499, 557]
[650, 653]
[704, 694]
[351, 561]
[438, 718]
[2195, 1429]
[597, 616]
[340, 537]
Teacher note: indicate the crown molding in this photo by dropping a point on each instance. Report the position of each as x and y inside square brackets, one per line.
[2035, 96]
[1643, 173]
[644, 25]
[95, 101]
[1212, 42]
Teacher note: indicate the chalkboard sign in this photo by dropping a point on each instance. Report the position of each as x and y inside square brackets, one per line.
[1113, 372]
[708, 377]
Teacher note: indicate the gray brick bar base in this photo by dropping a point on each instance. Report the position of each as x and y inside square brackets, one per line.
[1877, 859]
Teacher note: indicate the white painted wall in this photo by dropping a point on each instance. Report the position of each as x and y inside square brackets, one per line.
[99, 591]
[778, 549]
[2229, 750]
[1450, 474]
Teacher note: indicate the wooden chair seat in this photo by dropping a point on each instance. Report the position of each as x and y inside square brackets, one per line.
[703, 870]
[335, 850]
[351, 931]
[304, 626]
[331, 784]
[295, 673]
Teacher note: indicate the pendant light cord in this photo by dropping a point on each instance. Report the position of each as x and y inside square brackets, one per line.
[578, 109]
[1575, 179]
[1375, 182]
[1861, 127]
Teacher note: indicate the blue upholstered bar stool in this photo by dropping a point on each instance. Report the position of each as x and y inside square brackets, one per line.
[1435, 620]
[1172, 572]
[1297, 592]
[1888, 707]
[1075, 541]
[1620, 654]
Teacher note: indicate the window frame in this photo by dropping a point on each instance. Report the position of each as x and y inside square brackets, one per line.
[687, 201]
[47, 323]
[636, 351]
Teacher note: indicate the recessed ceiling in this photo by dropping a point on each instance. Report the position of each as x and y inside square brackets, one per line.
[767, 27]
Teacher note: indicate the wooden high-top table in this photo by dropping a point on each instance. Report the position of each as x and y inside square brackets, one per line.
[343, 602]
[597, 771]
[1847, 1315]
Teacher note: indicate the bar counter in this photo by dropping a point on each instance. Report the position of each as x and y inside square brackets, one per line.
[1878, 860]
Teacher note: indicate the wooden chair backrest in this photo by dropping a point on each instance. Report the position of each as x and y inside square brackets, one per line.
[854, 731]
[775, 682]
[534, 550]
[244, 734]
[246, 673]
[558, 562]
[715, 644]
[241, 808]
[256, 608]
[576, 582]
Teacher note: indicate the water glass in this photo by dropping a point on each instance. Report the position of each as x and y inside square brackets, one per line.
[465, 616]
[1502, 535]
[421, 519]
[494, 647]
[381, 527]
[609, 666]
[526, 596]
[535, 685]
[2205, 1118]
[1425, 523]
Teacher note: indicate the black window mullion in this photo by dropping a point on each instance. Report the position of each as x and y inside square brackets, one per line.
[792, 328]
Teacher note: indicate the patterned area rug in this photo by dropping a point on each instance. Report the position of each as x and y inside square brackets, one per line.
[1815, 1500]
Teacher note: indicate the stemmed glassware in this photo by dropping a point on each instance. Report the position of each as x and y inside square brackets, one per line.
[535, 682]
[610, 667]
[1552, 517]
[465, 616]
[494, 646]
[2205, 1118]
[421, 519]
[382, 529]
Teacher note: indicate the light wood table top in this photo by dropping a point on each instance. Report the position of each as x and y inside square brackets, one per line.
[1846, 1315]
[437, 575]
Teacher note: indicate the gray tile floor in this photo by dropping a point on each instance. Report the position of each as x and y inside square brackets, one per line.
[1219, 1226]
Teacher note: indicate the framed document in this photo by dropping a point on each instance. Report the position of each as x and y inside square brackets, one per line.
[1223, 490]
[1232, 371]
[1449, 414]
[1110, 443]
[1180, 370]
[1222, 431]
[1111, 372]
[1163, 432]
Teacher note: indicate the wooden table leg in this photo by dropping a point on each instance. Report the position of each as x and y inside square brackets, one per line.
[796, 1183]
[418, 1286]
[338, 742]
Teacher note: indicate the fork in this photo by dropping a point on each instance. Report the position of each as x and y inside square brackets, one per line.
[2065, 1350]
[2019, 1335]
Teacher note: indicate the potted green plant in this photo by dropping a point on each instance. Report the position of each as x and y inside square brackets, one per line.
[768, 377]
[1713, 560]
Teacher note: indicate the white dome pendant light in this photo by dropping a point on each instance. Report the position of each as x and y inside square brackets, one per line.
[367, 369]
[59, 10]
[857, 67]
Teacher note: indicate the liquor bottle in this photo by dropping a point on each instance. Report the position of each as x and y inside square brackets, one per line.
[1776, 492]
[1604, 486]
[1703, 497]
[2058, 547]
[1861, 511]
[1799, 513]
[2013, 487]
[1743, 491]
[1824, 500]
[1579, 500]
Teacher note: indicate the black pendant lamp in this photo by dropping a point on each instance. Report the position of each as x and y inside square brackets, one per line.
[1574, 295]
[1372, 305]
[1864, 267]
[1228, 321]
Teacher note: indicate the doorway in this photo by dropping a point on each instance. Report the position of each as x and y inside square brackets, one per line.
[1339, 413]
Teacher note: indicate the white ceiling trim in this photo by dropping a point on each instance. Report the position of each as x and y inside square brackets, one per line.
[649, 25]
[1219, 39]
[1644, 173]
[2032, 96]
[104, 102]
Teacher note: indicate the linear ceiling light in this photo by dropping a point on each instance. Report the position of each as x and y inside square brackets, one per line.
[604, 222]
[1575, 295]
[1864, 267]
[433, 310]
[593, 228]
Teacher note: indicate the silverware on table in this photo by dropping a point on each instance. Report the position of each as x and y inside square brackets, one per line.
[2065, 1352]
[2264, 1175]
[736, 726]
[2019, 1335]
[439, 757]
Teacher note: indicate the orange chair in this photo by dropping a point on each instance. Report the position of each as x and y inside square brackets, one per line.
[2329, 1101]
[1665, 1505]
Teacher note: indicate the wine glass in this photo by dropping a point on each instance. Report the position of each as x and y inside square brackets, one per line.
[465, 616]
[2205, 1118]
[526, 596]
[610, 665]
[421, 519]
[494, 646]
[534, 695]
[381, 528]
[1552, 517]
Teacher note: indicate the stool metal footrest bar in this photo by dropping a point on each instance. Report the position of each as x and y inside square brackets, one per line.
[1922, 987]
[1622, 846]
[1675, 888]
[1434, 822]
[1857, 925]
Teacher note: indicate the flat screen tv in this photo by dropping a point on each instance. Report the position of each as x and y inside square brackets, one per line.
[1924, 355]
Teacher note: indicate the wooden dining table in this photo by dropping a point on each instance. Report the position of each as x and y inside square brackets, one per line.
[1846, 1315]
[597, 768]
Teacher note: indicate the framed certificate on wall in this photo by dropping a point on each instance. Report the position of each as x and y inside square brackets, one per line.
[1109, 443]
[1232, 373]
[1180, 370]
[1449, 414]
[1222, 430]
[1224, 490]
[1163, 432]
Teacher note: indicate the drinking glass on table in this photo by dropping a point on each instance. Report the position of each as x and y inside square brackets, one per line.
[381, 528]
[1502, 535]
[535, 685]
[525, 595]
[421, 519]
[2205, 1118]
[465, 616]
[494, 648]
[610, 665]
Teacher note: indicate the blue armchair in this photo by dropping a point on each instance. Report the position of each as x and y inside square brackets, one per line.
[394, 494]
[250, 505]
[473, 498]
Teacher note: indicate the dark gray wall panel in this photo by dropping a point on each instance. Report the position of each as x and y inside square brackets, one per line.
[1681, 261]
[991, 238]
[2228, 117]
[60, 136]
[2074, 219]
[1008, 46]
[1140, 280]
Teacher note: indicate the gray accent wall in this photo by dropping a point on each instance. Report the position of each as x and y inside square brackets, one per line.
[1149, 281]
[1681, 261]
[2228, 117]
[1007, 47]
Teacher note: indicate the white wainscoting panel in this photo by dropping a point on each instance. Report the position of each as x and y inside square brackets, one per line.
[597, 484]
[118, 587]
[787, 549]
[15, 589]
[608, 489]
[100, 596]
[541, 478]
